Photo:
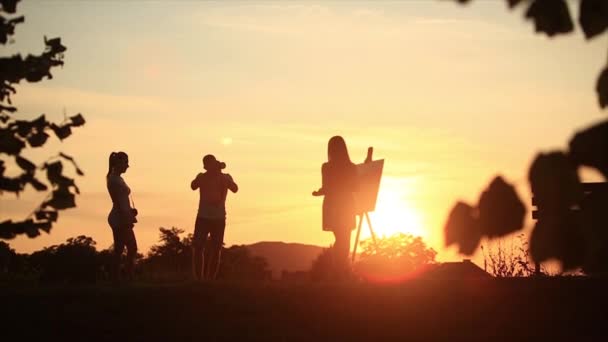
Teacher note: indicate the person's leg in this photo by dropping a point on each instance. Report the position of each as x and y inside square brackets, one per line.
[131, 244]
[119, 246]
[198, 241]
[217, 241]
[341, 251]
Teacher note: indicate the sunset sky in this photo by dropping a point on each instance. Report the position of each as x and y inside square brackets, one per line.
[448, 95]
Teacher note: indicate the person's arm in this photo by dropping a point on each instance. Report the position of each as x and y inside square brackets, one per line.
[321, 191]
[195, 183]
[231, 184]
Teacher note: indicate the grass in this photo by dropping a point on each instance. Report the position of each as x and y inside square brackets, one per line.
[493, 309]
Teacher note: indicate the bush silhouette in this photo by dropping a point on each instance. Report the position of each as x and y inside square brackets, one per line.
[393, 258]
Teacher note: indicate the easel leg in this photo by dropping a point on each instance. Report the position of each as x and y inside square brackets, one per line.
[357, 238]
[371, 230]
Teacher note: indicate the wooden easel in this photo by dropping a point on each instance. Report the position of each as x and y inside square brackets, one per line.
[371, 230]
[368, 159]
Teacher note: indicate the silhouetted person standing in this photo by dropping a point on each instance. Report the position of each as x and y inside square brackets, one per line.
[210, 223]
[122, 217]
[339, 181]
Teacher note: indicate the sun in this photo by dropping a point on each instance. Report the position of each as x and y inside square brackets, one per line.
[394, 213]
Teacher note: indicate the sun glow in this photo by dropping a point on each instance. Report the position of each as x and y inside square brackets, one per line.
[394, 212]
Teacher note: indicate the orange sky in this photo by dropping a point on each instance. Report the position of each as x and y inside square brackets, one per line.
[448, 95]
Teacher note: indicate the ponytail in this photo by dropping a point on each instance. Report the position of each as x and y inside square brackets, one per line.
[111, 162]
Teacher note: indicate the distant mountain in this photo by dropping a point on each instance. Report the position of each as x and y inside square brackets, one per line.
[286, 256]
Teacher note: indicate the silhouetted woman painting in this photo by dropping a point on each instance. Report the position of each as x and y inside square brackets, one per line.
[122, 217]
[339, 181]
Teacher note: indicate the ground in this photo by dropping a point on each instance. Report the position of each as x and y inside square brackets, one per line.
[492, 309]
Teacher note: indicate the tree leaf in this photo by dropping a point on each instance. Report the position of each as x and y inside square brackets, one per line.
[513, 3]
[38, 185]
[46, 226]
[590, 147]
[40, 123]
[550, 16]
[602, 88]
[10, 184]
[462, 229]
[37, 139]
[61, 132]
[7, 230]
[501, 212]
[25, 164]
[593, 17]
[554, 182]
[53, 171]
[9, 6]
[46, 215]
[77, 120]
[24, 128]
[61, 199]
[9, 143]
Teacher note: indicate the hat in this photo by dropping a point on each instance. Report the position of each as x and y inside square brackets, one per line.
[211, 163]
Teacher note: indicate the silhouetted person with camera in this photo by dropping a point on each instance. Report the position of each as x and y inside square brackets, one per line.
[122, 217]
[213, 186]
[339, 181]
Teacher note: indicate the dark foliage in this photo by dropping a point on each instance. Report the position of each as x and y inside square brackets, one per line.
[462, 228]
[172, 259]
[74, 261]
[572, 222]
[322, 266]
[590, 148]
[237, 263]
[550, 16]
[510, 259]
[393, 258]
[18, 135]
[593, 17]
[77, 260]
[498, 213]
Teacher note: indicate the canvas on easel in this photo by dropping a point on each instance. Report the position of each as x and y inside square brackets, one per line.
[369, 175]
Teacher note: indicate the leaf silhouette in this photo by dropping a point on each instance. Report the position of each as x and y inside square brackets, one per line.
[558, 237]
[37, 139]
[601, 88]
[61, 199]
[23, 128]
[61, 132]
[46, 215]
[53, 171]
[25, 164]
[500, 210]
[9, 143]
[77, 120]
[513, 3]
[9, 6]
[7, 230]
[550, 17]
[554, 182]
[38, 185]
[593, 17]
[590, 147]
[462, 228]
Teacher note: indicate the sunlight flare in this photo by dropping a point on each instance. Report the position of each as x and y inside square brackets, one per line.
[395, 213]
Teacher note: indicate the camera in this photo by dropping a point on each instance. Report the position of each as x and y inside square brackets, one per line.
[134, 211]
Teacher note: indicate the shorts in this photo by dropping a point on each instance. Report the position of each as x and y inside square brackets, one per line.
[123, 236]
[205, 228]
